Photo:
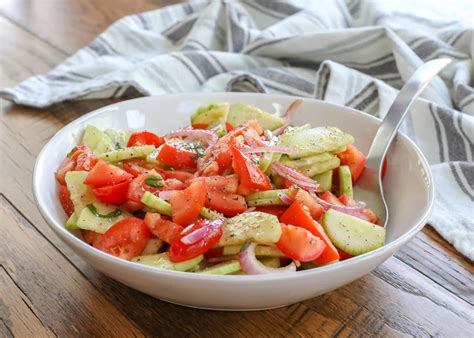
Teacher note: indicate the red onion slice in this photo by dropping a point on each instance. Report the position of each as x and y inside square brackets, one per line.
[355, 211]
[222, 259]
[252, 266]
[285, 198]
[209, 136]
[269, 149]
[165, 195]
[295, 177]
[291, 108]
[202, 232]
[281, 130]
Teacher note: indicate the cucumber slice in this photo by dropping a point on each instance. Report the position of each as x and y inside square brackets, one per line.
[260, 250]
[306, 161]
[81, 194]
[266, 202]
[351, 234]
[87, 220]
[271, 262]
[118, 138]
[319, 168]
[220, 130]
[224, 268]
[258, 227]
[92, 137]
[345, 181]
[156, 203]
[162, 261]
[313, 141]
[152, 247]
[209, 214]
[127, 153]
[325, 180]
[240, 113]
[71, 223]
[211, 114]
[339, 150]
[266, 194]
[265, 161]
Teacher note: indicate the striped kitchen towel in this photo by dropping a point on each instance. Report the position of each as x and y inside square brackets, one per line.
[355, 53]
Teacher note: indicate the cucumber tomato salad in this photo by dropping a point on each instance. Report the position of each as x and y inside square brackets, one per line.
[239, 191]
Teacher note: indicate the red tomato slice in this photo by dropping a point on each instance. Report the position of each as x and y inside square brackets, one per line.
[214, 252]
[299, 244]
[180, 251]
[315, 209]
[228, 184]
[227, 204]
[112, 194]
[177, 174]
[162, 228]
[173, 184]
[125, 239]
[276, 210]
[144, 138]
[65, 200]
[135, 167]
[104, 174]
[331, 198]
[187, 204]
[353, 158]
[344, 255]
[138, 186]
[177, 157]
[229, 127]
[80, 158]
[200, 126]
[90, 236]
[252, 178]
[297, 216]
[131, 206]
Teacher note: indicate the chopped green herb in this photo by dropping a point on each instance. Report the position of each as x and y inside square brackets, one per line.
[154, 181]
[117, 212]
[71, 151]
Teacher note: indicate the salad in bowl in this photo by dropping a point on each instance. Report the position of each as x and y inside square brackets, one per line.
[238, 191]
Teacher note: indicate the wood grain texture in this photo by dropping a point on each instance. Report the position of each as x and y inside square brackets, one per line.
[426, 289]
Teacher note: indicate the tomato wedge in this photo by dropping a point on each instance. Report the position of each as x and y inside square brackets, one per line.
[80, 158]
[200, 126]
[302, 196]
[90, 236]
[144, 138]
[344, 255]
[228, 184]
[136, 167]
[112, 194]
[65, 200]
[252, 178]
[138, 186]
[210, 233]
[331, 198]
[225, 203]
[276, 210]
[125, 239]
[353, 158]
[187, 204]
[162, 228]
[296, 215]
[299, 244]
[131, 206]
[103, 174]
[181, 175]
[176, 157]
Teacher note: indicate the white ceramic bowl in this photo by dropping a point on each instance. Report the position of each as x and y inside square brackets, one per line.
[408, 186]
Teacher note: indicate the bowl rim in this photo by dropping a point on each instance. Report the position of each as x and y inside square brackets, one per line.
[72, 240]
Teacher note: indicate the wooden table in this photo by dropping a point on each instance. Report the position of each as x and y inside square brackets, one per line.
[46, 290]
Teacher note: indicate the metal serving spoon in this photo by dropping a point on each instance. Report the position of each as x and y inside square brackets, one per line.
[369, 185]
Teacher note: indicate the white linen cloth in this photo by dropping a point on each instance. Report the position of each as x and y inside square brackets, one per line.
[354, 53]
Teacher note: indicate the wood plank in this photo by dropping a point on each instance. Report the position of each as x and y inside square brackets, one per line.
[71, 24]
[64, 300]
[17, 312]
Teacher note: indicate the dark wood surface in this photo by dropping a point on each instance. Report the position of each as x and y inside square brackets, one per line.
[46, 290]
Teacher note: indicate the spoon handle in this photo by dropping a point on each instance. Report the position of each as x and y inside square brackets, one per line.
[399, 108]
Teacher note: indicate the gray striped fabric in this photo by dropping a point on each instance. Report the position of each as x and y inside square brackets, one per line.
[355, 53]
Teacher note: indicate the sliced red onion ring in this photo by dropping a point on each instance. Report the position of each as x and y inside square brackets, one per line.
[202, 232]
[165, 195]
[281, 130]
[269, 149]
[194, 134]
[222, 259]
[253, 139]
[252, 266]
[295, 177]
[291, 108]
[285, 198]
[355, 211]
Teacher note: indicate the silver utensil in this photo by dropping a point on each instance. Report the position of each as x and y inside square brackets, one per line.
[369, 186]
